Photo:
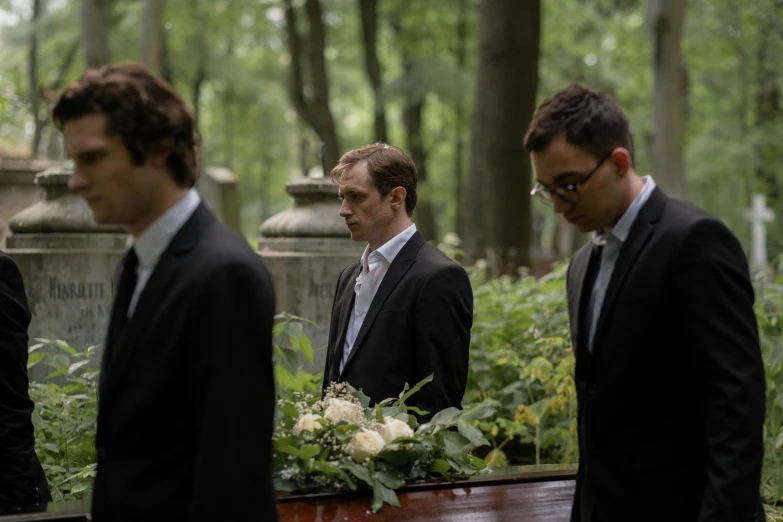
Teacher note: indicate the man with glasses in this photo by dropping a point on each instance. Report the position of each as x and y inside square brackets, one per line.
[669, 375]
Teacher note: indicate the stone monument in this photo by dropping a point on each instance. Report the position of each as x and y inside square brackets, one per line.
[305, 247]
[18, 189]
[67, 262]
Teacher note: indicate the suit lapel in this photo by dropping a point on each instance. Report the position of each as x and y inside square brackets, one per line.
[399, 267]
[578, 269]
[154, 293]
[347, 298]
[640, 234]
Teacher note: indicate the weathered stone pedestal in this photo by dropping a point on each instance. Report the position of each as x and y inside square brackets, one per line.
[67, 262]
[305, 248]
[18, 189]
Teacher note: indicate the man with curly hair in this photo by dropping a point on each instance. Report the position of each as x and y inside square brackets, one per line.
[186, 396]
[669, 375]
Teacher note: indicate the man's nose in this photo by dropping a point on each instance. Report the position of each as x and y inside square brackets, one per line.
[560, 205]
[344, 210]
[77, 182]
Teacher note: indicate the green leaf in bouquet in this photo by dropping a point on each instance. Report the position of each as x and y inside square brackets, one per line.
[443, 418]
[289, 486]
[390, 411]
[379, 413]
[343, 432]
[418, 411]
[476, 411]
[357, 470]
[290, 411]
[477, 463]
[363, 399]
[285, 441]
[390, 479]
[407, 394]
[461, 466]
[440, 466]
[336, 473]
[383, 494]
[402, 457]
[290, 450]
[454, 444]
[308, 451]
[472, 433]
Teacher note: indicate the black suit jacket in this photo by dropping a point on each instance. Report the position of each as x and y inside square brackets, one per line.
[22, 480]
[671, 400]
[418, 323]
[187, 393]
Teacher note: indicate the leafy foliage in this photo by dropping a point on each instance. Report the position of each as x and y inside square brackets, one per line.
[65, 417]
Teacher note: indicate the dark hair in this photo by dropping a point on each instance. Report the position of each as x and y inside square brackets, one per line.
[388, 167]
[590, 119]
[143, 110]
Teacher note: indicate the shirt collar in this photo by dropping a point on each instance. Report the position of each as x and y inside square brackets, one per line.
[390, 249]
[151, 244]
[623, 227]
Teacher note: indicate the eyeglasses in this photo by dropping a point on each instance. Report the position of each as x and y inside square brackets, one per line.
[569, 192]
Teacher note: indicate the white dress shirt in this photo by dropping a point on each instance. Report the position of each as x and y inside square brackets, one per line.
[375, 264]
[612, 242]
[151, 244]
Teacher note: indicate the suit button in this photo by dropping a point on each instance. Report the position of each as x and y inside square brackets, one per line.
[591, 389]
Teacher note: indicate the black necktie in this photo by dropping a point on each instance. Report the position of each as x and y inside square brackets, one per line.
[593, 267]
[122, 298]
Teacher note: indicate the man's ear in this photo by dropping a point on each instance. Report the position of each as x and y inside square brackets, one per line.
[398, 197]
[622, 160]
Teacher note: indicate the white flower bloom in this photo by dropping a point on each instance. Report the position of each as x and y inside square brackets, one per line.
[393, 429]
[307, 422]
[481, 264]
[365, 444]
[340, 410]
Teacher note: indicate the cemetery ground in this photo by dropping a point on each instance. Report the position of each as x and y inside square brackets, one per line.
[521, 363]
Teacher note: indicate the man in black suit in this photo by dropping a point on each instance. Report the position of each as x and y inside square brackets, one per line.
[404, 310]
[186, 391]
[669, 375]
[22, 480]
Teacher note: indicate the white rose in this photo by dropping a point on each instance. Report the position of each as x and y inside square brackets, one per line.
[340, 410]
[307, 422]
[394, 428]
[365, 444]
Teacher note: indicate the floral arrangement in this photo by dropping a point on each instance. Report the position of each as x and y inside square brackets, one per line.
[341, 442]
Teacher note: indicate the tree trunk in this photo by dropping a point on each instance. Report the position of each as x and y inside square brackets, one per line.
[35, 96]
[95, 32]
[313, 110]
[424, 215]
[497, 218]
[459, 120]
[666, 19]
[768, 111]
[152, 36]
[369, 13]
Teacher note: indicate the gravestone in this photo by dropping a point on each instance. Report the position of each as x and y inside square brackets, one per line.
[67, 262]
[305, 247]
[758, 215]
[18, 189]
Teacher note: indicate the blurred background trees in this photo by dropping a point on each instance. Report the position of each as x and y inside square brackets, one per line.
[452, 82]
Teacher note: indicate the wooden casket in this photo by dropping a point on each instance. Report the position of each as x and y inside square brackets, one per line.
[522, 494]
